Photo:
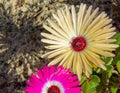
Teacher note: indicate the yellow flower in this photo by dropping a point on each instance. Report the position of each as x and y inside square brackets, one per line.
[77, 39]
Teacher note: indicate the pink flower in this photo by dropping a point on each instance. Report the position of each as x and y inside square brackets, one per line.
[53, 80]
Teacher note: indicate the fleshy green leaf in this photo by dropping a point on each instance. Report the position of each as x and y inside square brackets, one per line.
[108, 60]
[109, 68]
[118, 66]
[117, 56]
[95, 78]
[82, 79]
[85, 87]
[117, 37]
[116, 59]
[114, 89]
[90, 86]
[98, 70]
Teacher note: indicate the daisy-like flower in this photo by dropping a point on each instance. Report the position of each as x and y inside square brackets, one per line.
[77, 39]
[53, 80]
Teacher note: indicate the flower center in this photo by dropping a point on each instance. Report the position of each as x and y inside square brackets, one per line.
[53, 89]
[78, 43]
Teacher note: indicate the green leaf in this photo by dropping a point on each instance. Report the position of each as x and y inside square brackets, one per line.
[118, 66]
[90, 87]
[98, 70]
[85, 87]
[117, 37]
[82, 79]
[114, 89]
[116, 59]
[117, 56]
[108, 60]
[104, 78]
[109, 68]
[95, 78]
[92, 90]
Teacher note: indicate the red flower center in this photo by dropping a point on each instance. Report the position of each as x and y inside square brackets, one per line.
[53, 89]
[78, 43]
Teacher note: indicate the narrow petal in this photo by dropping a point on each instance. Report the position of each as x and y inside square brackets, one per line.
[54, 32]
[55, 46]
[105, 41]
[62, 22]
[105, 36]
[68, 20]
[75, 62]
[80, 18]
[48, 41]
[99, 25]
[88, 12]
[53, 37]
[58, 52]
[74, 18]
[65, 59]
[57, 28]
[97, 61]
[109, 47]
[101, 52]
[79, 66]
[95, 21]
[85, 62]
[70, 60]
[90, 18]
[51, 52]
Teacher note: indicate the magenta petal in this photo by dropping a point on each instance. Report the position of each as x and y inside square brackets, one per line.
[41, 75]
[67, 81]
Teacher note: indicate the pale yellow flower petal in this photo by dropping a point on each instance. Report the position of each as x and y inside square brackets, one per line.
[54, 46]
[91, 56]
[74, 62]
[109, 47]
[53, 37]
[50, 41]
[60, 19]
[87, 69]
[79, 66]
[105, 41]
[90, 18]
[61, 57]
[105, 36]
[70, 60]
[57, 28]
[98, 25]
[102, 31]
[74, 18]
[53, 31]
[67, 59]
[102, 52]
[57, 60]
[58, 52]
[80, 18]
[69, 24]
[51, 52]
[68, 20]
[95, 21]
[77, 40]
[84, 25]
